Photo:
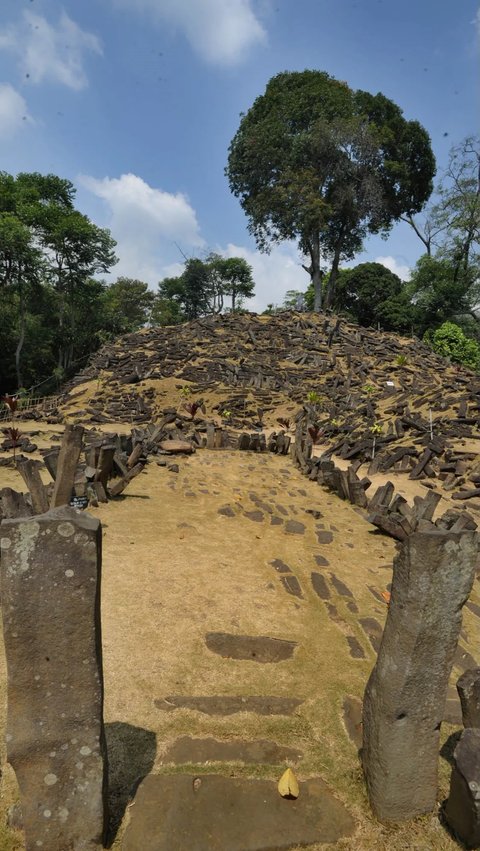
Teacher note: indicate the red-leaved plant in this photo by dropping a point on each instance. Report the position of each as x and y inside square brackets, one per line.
[15, 436]
[12, 433]
[193, 407]
[315, 433]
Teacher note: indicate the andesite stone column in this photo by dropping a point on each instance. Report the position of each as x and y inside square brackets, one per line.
[468, 687]
[405, 696]
[50, 592]
[462, 811]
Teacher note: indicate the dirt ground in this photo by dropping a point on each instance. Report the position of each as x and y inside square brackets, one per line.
[189, 553]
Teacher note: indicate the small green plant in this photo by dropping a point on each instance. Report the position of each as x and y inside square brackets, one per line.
[313, 397]
[376, 428]
[185, 392]
[226, 414]
[401, 360]
[368, 389]
[335, 422]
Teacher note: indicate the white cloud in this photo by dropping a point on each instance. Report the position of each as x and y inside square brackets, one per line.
[220, 31]
[51, 53]
[402, 270]
[146, 222]
[273, 273]
[13, 111]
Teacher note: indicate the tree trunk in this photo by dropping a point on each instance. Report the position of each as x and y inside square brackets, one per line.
[233, 300]
[315, 273]
[21, 340]
[332, 281]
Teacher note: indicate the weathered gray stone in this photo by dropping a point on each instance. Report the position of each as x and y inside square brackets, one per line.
[213, 813]
[13, 504]
[258, 648]
[229, 705]
[189, 750]
[31, 476]
[405, 696]
[462, 811]
[50, 591]
[468, 687]
[105, 464]
[67, 464]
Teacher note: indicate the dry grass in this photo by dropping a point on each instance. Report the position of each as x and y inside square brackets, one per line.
[175, 569]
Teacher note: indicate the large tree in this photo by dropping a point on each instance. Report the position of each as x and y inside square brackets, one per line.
[128, 304]
[372, 294]
[319, 163]
[201, 289]
[48, 253]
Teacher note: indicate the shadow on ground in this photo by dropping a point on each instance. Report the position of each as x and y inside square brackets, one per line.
[131, 755]
[449, 746]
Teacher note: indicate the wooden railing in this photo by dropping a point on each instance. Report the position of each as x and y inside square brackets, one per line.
[42, 404]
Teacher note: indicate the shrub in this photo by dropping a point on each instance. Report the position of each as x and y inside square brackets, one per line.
[450, 341]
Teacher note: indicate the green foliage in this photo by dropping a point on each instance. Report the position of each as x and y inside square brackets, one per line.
[127, 305]
[314, 161]
[202, 288]
[401, 360]
[294, 300]
[313, 397]
[371, 294]
[439, 292]
[49, 252]
[450, 341]
[376, 428]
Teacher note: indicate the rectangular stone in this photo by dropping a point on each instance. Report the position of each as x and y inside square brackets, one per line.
[31, 476]
[50, 591]
[405, 696]
[69, 454]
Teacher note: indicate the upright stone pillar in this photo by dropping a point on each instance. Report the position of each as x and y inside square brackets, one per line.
[405, 696]
[462, 811]
[50, 593]
[468, 687]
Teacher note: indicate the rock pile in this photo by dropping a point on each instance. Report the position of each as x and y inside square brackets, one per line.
[376, 397]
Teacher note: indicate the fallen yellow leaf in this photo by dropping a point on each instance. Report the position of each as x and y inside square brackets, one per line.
[288, 785]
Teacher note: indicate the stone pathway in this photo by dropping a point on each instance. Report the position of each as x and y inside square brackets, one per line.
[241, 620]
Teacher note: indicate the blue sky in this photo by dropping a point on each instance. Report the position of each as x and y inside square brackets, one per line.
[136, 102]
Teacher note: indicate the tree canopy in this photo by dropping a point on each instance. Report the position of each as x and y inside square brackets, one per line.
[49, 252]
[202, 289]
[372, 294]
[319, 163]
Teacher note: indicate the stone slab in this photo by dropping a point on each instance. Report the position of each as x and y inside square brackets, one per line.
[230, 704]
[50, 590]
[189, 750]
[352, 718]
[256, 648]
[214, 813]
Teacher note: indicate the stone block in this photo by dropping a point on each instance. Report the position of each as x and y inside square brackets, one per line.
[405, 695]
[468, 687]
[50, 591]
[462, 811]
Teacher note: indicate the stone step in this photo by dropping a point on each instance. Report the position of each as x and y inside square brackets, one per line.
[215, 813]
[230, 704]
[188, 750]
